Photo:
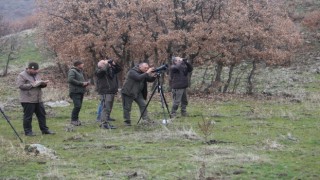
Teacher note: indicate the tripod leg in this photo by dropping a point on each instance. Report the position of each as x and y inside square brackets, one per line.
[11, 125]
[165, 102]
[154, 90]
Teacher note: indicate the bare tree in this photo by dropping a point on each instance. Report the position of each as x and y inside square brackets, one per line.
[9, 48]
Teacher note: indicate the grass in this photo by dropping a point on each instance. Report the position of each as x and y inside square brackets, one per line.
[267, 139]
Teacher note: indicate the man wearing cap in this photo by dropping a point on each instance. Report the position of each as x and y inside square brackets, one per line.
[77, 88]
[30, 84]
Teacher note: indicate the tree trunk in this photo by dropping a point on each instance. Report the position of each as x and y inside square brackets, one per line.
[218, 75]
[250, 85]
[204, 76]
[225, 88]
[63, 68]
[5, 72]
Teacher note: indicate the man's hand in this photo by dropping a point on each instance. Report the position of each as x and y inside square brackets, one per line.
[150, 70]
[86, 84]
[40, 83]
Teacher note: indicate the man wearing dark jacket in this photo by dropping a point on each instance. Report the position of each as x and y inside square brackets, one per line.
[77, 88]
[178, 80]
[30, 84]
[107, 87]
[135, 89]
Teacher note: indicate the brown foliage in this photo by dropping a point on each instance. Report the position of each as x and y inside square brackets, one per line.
[215, 31]
[312, 20]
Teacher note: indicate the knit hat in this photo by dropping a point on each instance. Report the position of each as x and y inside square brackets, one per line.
[33, 65]
[77, 63]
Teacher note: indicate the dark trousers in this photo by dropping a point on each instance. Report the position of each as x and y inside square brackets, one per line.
[77, 99]
[127, 103]
[28, 110]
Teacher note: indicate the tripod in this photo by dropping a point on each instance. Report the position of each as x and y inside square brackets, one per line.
[10, 124]
[163, 100]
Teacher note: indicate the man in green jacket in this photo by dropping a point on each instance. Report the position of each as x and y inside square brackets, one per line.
[77, 88]
[135, 89]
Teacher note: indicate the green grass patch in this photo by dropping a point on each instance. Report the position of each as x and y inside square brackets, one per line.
[269, 139]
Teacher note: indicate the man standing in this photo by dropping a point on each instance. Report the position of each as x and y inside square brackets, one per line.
[77, 88]
[30, 84]
[135, 89]
[107, 87]
[178, 80]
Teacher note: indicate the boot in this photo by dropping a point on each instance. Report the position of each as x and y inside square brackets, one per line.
[174, 111]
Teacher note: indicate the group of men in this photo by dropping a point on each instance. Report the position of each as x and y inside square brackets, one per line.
[134, 89]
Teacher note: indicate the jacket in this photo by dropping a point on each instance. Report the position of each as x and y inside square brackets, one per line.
[29, 94]
[76, 80]
[107, 80]
[179, 75]
[136, 83]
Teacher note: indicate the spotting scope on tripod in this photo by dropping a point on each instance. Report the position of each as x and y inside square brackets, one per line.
[159, 71]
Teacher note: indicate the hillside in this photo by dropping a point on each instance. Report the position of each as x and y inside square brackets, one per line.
[16, 9]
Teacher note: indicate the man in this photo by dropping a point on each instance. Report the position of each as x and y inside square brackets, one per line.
[77, 88]
[30, 84]
[135, 89]
[107, 87]
[178, 80]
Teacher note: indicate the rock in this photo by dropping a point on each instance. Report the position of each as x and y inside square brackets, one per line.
[57, 104]
[40, 150]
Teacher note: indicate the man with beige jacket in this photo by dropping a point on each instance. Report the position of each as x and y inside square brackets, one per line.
[30, 85]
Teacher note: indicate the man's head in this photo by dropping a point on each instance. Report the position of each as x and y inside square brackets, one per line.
[33, 68]
[143, 67]
[177, 60]
[78, 64]
[101, 63]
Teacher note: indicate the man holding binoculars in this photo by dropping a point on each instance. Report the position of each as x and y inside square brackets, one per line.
[178, 81]
[107, 87]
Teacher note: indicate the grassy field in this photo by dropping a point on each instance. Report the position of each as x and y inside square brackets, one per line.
[225, 137]
[248, 139]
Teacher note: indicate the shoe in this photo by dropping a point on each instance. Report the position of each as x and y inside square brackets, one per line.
[173, 115]
[76, 123]
[107, 126]
[48, 132]
[111, 119]
[127, 123]
[30, 134]
[184, 114]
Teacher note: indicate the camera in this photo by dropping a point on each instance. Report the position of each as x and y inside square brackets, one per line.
[161, 68]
